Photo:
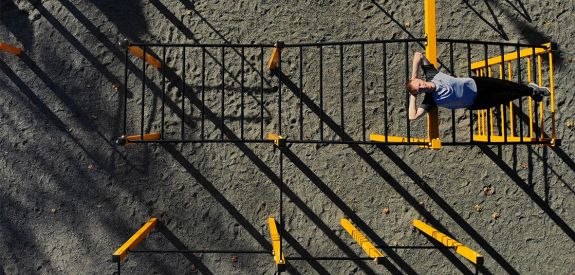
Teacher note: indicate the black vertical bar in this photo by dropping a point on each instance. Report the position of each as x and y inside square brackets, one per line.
[163, 91]
[363, 91]
[280, 92]
[223, 50]
[451, 67]
[203, 92]
[486, 56]
[321, 93]
[301, 93]
[519, 80]
[183, 90]
[384, 63]
[341, 114]
[242, 98]
[119, 267]
[143, 92]
[469, 75]
[408, 129]
[262, 93]
[504, 126]
[126, 59]
[536, 107]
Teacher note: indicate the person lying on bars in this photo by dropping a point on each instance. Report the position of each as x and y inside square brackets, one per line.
[473, 93]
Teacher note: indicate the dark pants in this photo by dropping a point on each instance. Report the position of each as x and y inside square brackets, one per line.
[493, 92]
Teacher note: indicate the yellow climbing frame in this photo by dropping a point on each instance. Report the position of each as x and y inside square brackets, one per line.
[485, 118]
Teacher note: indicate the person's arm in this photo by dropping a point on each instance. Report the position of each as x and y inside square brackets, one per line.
[414, 112]
[418, 59]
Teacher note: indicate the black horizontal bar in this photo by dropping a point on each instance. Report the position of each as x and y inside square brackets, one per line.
[270, 141]
[328, 258]
[192, 45]
[470, 41]
[204, 251]
[411, 247]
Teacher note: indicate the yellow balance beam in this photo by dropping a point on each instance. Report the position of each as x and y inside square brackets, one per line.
[395, 139]
[279, 257]
[279, 141]
[122, 252]
[367, 246]
[139, 53]
[10, 49]
[511, 56]
[447, 241]
[152, 136]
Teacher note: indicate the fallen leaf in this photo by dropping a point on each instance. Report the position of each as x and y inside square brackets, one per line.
[487, 190]
[54, 210]
[234, 259]
[115, 87]
[495, 215]
[385, 210]
[570, 123]
[524, 165]
[91, 167]
[477, 207]
[407, 24]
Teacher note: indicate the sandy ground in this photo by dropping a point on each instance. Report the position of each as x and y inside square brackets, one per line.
[69, 197]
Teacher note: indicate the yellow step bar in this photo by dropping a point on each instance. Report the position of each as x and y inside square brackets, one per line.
[363, 242]
[122, 252]
[10, 49]
[279, 257]
[460, 249]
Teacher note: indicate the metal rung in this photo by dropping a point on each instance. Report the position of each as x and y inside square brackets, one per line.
[279, 257]
[122, 252]
[365, 244]
[447, 241]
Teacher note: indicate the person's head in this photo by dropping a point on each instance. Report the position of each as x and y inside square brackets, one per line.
[417, 86]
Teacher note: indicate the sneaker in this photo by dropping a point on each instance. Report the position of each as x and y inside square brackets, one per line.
[543, 91]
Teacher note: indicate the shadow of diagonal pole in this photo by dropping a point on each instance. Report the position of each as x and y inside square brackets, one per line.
[527, 189]
[377, 168]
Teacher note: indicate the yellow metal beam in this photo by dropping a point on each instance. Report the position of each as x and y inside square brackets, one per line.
[279, 257]
[122, 252]
[511, 56]
[447, 241]
[365, 244]
[279, 141]
[125, 140]
[431, 55]
[483, 138]
[139, 53]
[10, 49]
[394, 139]
[552, 88]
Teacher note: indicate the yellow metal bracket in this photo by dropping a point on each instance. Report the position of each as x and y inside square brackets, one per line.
[10, 49]
[365, 244]
[279, 141]
[447, 241]
[122, 252]
[125, 140]
[279, 257]
[273, 62]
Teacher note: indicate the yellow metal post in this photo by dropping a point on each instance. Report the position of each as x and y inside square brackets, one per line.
[10, 49]
[431, 54]
[541, 104]
[529, 79]
[552, 88]
[122, 252]
[447, 241]
[275, 236]
[367, 246]
[139, 53]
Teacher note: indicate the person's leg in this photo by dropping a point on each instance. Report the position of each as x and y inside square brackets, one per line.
[492, 92]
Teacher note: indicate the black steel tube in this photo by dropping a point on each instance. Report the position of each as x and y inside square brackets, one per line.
[262, 93]
[280, 92]
[486, 56]
[478, 42]
[341, 97]
[301, 93]
[363, 92]
[408, 128]
[242, 97]
[385, 99]
[321, 93]
[504, 109]
[125, 103]
[281, 230]
[204, 251]
[163, 92]
[203, 121]
[183, 91]
[451, 67]
[469, 75]
[223, 53]
[536, 104]
[519, 80]
[143, 92]
[328, 258]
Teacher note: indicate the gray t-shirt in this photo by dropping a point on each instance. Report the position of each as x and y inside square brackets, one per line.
[450, 92]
